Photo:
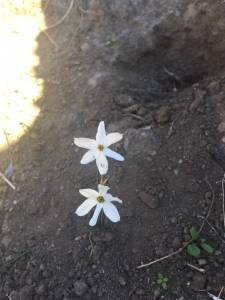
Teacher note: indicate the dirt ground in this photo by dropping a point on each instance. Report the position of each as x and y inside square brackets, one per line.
[152, 70]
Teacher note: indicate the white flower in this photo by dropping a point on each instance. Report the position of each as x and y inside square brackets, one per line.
[102, 200]
[98, 149]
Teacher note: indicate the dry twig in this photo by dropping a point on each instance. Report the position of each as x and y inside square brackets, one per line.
[62, 19]
[195, 268]
[137, 117]
[7, 181]
[81, 8]
[46, 4]
[51, 40]
[222, 240]
[176, 78]
[178, 251]
[220, 291]
[81, 20]
[170, 130]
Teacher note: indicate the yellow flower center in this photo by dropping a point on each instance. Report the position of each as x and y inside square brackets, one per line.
[100, 147]
[100, 199]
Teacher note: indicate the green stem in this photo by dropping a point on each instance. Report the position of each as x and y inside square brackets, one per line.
[15, 259]
[102, 220]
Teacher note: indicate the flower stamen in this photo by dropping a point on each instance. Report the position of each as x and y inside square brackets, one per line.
[100, 147]
[100, 199]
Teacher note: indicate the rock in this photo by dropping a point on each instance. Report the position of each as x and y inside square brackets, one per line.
[139, 141]
[85, 47]
[186, 230]
[187, 238]
[173, 220]
[208, 195]
[213, 87]
[124, 100]
[26, 293]
[149, 118]
[198, 102]
[176, 242]
[14, 295]
[149, 200]
[179, 264]
[96, 252]
[80, 287]
[202, 262]
[41, 289]
[132, 109]
[123, 280]
[98, 79]
[198, 282]
[163, 114]
[157, 292]
[141, 112]
[96, 10]
[76, 256]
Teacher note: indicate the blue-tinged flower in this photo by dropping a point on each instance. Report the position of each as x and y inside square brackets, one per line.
[98, 149]
[100, 199]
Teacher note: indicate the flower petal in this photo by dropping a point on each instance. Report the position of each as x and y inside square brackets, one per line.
[103, 189]
[109, 198]
[102, 163]
[86, 206]
[89, 193]
[100, 136]
[113, 138]
[96, 214]
[111, 212]
[108, 152]
[85, 143]
[89, 156]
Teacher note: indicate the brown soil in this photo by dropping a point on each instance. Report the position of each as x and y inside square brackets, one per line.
[173, 145]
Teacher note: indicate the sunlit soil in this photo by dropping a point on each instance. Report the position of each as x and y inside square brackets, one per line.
[19, 88]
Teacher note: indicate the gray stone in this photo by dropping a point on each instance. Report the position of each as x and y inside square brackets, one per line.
[198, 102]
[179, 264]
[139, 141]
[26, 293]
[163, 114]
[124, 100]
[198, 282]
[202, 262]
[14, 295]
[157, 292]
[80, 287]
[76, 256]
[149, 200]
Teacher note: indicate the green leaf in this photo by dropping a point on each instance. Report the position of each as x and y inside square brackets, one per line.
[164, 286]
[165, 279]
[193, 250]
[193, 233]
[108, 43]
[113, 39]
[108, 37]
[160, 275]
[206, 247]
[202, 240]
[159, 280]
